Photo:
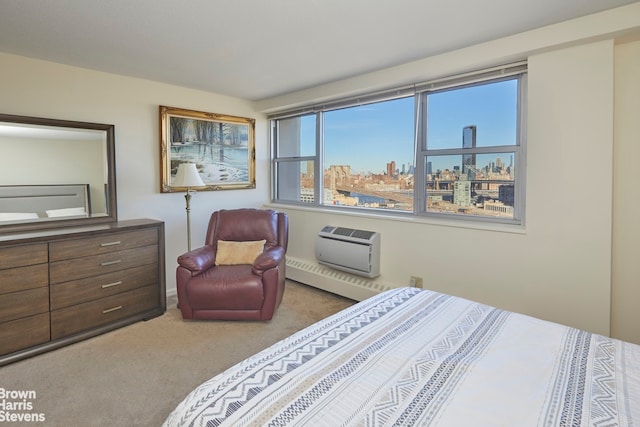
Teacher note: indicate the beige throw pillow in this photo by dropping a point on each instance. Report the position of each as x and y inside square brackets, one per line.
[233, 253]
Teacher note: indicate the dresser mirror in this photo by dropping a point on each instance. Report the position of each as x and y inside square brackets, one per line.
[55, 173]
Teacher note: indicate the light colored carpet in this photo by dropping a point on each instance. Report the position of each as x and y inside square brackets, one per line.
[137, 375]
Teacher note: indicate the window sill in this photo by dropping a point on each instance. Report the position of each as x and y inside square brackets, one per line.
[410, 218]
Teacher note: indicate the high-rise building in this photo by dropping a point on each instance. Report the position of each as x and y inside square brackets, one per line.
[391, 168]
[469, 141]
[462, 192]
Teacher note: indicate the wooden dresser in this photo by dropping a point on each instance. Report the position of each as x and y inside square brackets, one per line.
[64, 285]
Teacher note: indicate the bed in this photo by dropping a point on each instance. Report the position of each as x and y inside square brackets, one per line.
[415, 357]
[32, 202]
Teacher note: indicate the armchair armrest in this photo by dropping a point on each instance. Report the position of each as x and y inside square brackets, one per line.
[268, 259]
[199, 259]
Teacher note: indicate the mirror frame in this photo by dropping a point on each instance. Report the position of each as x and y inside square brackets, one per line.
[111, 196]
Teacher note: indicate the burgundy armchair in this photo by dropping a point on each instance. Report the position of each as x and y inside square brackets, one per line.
[235, 291]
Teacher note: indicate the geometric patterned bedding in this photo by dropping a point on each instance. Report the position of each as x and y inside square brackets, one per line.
[411, 357]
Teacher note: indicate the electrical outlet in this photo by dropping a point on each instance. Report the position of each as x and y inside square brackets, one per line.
[415, 281]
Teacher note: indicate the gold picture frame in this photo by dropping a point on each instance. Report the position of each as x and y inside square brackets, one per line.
[221, 146]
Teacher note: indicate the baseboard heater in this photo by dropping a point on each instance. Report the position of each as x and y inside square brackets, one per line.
[350, 250]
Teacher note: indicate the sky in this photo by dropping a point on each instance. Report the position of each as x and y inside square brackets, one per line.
[370, 136]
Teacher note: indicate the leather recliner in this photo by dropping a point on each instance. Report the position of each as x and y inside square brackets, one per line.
[237, 291]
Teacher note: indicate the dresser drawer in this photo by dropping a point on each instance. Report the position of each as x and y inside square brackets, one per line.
[75, 248]
[93, 314]
[79, 268]
[23, 278]
[22, 304]
[23, 333]
[19, 256]
[83, 290]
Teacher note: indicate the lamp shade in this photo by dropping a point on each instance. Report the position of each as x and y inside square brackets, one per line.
[188, 176]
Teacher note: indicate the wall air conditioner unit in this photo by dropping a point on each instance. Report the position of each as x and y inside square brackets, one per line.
[350, 250]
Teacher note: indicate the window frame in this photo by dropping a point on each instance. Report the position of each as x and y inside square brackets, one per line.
[420, 93]
[518, 149]
[277, 160]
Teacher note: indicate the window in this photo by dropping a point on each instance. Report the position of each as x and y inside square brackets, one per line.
[295, 144]
[450, 149]
[368, 155]
[471, 151]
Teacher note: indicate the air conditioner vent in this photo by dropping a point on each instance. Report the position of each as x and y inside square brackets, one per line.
[362, 234]
[342, 231]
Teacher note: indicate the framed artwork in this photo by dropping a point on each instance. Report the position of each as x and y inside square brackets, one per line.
[222, 148]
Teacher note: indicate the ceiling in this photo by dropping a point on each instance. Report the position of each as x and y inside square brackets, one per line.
[256, 49]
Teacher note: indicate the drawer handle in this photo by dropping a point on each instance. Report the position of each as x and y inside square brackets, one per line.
[109, 310]
[109, 285]
[104, 264]
[110, 243]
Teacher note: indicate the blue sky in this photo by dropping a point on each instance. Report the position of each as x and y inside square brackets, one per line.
[370, 136]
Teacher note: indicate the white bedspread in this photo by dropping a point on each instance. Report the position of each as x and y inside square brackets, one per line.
[408, 357]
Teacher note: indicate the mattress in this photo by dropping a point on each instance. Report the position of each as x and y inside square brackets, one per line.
[411, 357]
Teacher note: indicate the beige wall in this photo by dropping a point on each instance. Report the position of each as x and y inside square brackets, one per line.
[625, 316]
[44, 89]
[569, 155]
